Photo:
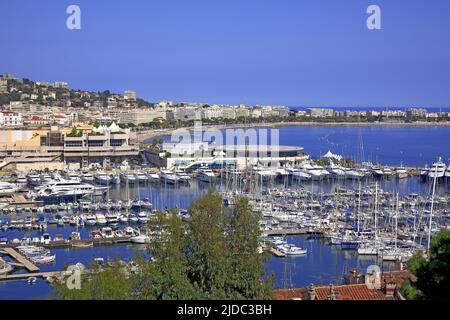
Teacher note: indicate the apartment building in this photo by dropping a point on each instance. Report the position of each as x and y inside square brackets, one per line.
[10, 119]
[320, 112]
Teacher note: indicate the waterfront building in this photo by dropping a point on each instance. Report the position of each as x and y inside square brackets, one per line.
[229, 113]
[256, 112]
[373, 113]
[416, 112]
[212, 112]
[242, 112]
[83, 145]
[101, 145]
[138, 116]
[238, 156]
[320, 112]
[187, 113]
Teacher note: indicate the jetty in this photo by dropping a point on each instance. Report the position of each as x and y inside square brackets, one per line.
[22, 261]
[284, 232]
[277, 252]
[22, 276]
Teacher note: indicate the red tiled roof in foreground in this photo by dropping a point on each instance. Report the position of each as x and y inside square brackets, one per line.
[292, 294]
[351, 292]
[342, 292]
[348, 292]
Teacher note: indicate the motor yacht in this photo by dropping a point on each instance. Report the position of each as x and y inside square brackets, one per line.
[437, 170]
[206, 175]
[103, 178]
[168, 176]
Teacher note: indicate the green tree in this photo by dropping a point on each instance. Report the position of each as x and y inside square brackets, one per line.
[109, 283]
[433, 273]
[212, 256]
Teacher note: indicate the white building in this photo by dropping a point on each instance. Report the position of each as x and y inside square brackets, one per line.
[130, 95]
[10, 119]
[212, 112]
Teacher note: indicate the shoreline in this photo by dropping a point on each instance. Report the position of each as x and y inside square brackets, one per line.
[141, 137]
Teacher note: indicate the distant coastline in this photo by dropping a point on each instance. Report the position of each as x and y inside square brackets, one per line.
[142, 136]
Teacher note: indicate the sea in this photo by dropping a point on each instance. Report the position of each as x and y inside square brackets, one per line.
[324, 264]
[396, 145]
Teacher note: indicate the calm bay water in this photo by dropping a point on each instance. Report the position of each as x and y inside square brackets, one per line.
[386, 144]
[391, 145]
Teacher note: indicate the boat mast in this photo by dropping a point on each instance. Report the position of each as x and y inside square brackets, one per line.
[376, 211]
[396, 222]
[431, 210]
[359, 205]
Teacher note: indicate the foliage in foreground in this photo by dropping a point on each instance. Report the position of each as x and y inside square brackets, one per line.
[212, 256]
[433, 274]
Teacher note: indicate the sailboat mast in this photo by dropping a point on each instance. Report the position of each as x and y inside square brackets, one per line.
[396, 223]
[431, 210]
[359, 205]
[376, 211]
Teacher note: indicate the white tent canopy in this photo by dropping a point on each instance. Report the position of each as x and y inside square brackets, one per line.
[331, 155]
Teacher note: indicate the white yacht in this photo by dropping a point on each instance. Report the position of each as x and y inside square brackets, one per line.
[142, 217]
[206, 175]
[168, 176]
[123, 218]
[336, 171]
[140, 239]
[182, 176]
[402, 173]
[21, 180]
[8, 188]
[73, 176]
[103, 178]
[298, 174]
[115, 178]
[264, 173]
[128, 178]
[141, 176]
[369, 248]
[34, 179]
[437, 170]
[87, 177]
[90, 220]
[316, 172]
[153, 176]
[100, 219]
[353, 174]
[447, 172]
[67, 189]
[112, 218]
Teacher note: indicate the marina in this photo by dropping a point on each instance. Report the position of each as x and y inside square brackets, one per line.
[319, 216]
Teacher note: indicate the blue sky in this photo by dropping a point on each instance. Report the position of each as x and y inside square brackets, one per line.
[291, 52]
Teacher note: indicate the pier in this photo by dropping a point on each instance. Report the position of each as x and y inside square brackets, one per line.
[71, 244]
[21, 259]
[284, 232]
[277, 252]
[22, 276]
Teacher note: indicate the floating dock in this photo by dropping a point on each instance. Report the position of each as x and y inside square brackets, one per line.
[27, 264]
[284, 232]
[74, 243]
